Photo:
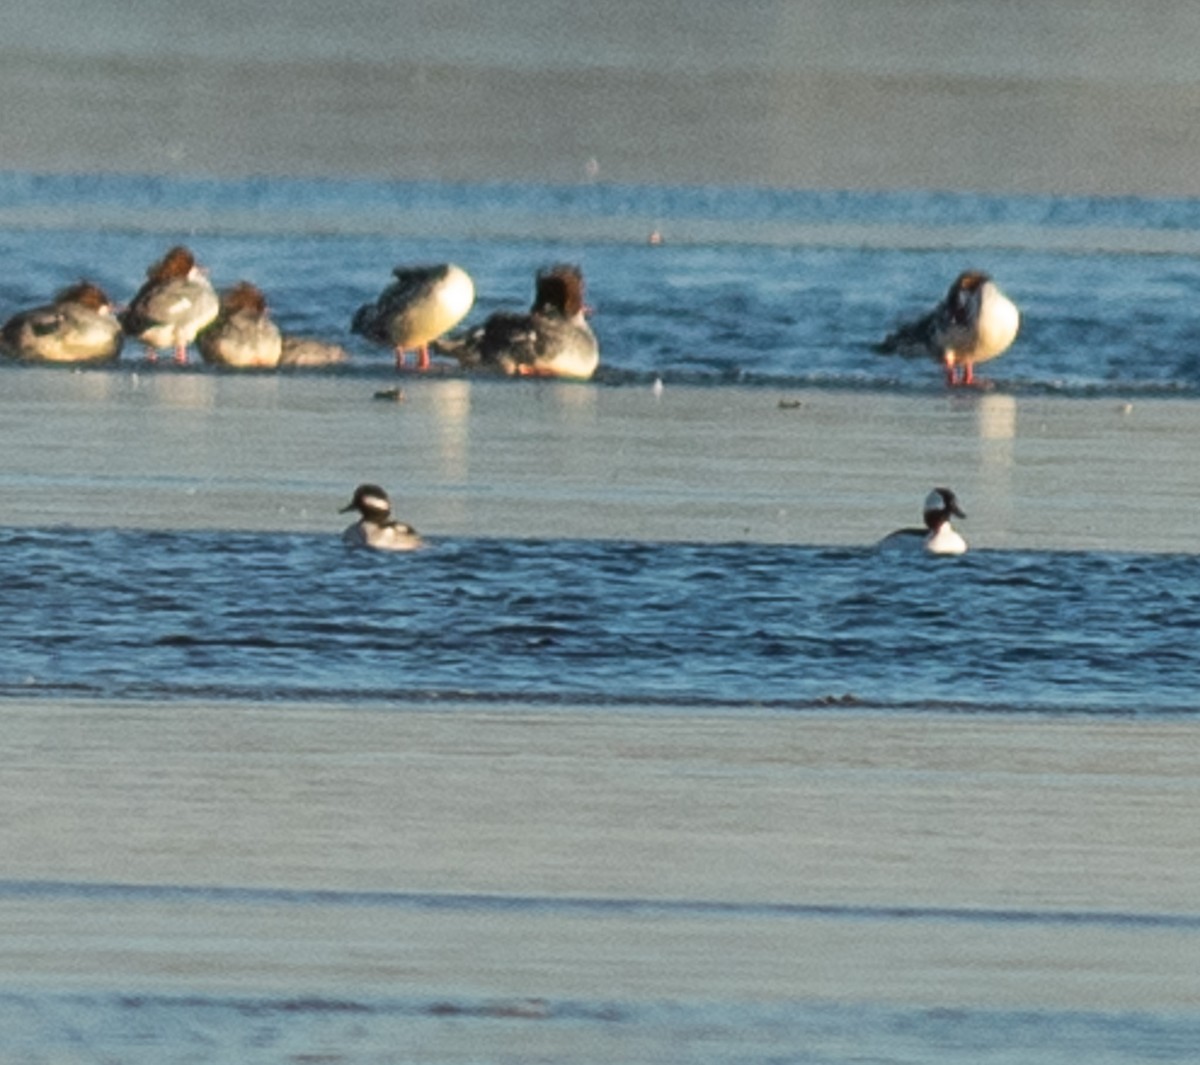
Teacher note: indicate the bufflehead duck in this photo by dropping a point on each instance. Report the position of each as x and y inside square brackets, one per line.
[242, 336]
[78, 327]
[414, 310]
[938, 537]
[175, 303]
[552, 340]
[376, 528]
[974, 323]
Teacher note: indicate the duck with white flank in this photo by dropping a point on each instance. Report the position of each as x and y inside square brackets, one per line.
[552, 340]
[78, 327]
[414, 310]
[242, 336]
[376, 528]
[175, 303]
[974, 323]
[938, 537]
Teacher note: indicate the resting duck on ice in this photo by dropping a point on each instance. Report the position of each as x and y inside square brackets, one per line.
[552, 340]
[244, 337]
[175, 303]
[376, 528]
[938, 537]
[78, 327]
[974, 323]
[310, 352]
[414, 310]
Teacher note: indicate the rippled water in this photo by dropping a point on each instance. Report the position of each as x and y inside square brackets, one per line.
[162, 615]
[749, 288]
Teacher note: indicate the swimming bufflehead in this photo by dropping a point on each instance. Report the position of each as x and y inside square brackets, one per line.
[552, 340]
[974, 323]
[175, 303]
[414, 310]
[938, 537]
[78, 327]
[376, 528]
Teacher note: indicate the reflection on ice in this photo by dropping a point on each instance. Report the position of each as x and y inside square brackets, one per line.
[996, 423]
[451, 401]
[187, 391]
[996, 416]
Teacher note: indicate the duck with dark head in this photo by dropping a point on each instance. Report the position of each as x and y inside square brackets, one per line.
[974, 323]
[938, 536]
[552, 340]
[376, 528]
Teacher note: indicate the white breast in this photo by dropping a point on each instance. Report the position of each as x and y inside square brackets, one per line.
[999, 321]
[946, 541]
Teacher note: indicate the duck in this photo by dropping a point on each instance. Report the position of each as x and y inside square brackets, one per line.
[974, 323]
[376, 528]
[308, 352]
[938, 536]
[78, 327]
[552, 340]
[242, 336]
[176, 301]
[420, 305]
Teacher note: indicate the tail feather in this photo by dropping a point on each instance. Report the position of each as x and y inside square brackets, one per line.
[363, 320]
[464, 347]
[134, 321]
[911, 339]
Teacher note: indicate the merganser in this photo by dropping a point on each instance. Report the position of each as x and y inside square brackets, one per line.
[414, 310]
[175, 303]
[309, 352]
[974, 323]
[78, 327]
[242, 336]
[376, 528]
[552, 340]
[938, 537]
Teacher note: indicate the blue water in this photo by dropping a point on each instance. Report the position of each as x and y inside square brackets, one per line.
[126, 614]
[595, 625]
[735, 300]
[286, 616]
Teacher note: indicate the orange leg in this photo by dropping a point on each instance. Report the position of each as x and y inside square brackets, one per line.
[181, 356]
[958, 373]
[422, 357]
[951, 370]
